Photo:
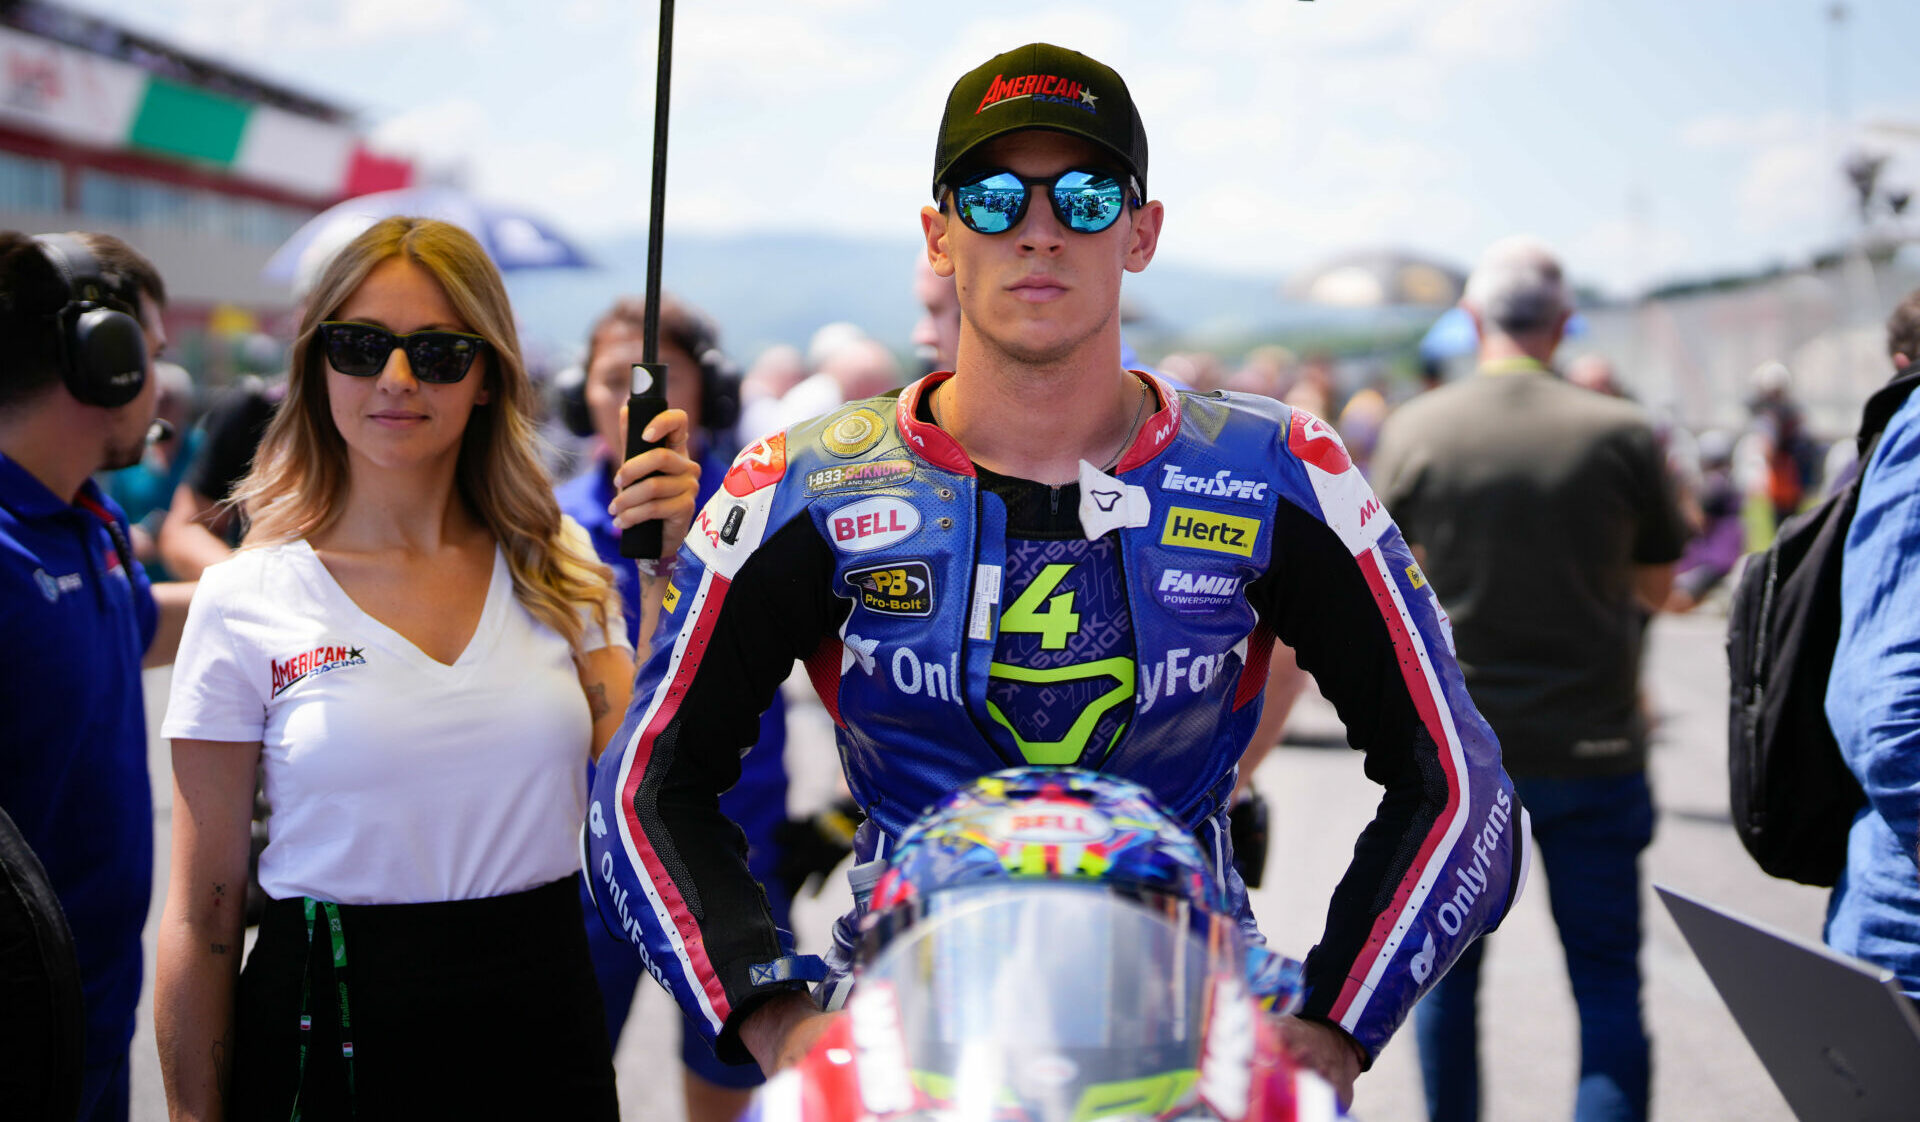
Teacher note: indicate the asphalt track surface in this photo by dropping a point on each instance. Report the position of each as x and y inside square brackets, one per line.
[1703, 1069]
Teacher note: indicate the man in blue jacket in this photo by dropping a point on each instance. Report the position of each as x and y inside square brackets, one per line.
[80, 314]
[1873, 694]
[1046, 558]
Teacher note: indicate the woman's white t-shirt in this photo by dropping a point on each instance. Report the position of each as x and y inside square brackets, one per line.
[393, 778]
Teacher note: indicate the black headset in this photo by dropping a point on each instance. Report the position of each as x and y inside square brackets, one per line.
[719, 386]
[102, 352]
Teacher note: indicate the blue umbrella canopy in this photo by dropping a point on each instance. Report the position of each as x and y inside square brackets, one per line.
[513, 237]
[1453, 334]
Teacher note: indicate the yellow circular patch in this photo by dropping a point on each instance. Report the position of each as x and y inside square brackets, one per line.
[854, 433]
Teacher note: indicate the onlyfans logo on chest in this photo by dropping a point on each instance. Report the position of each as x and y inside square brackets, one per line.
[309, 663]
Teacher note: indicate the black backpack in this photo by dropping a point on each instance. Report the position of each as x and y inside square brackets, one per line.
[1793, 797]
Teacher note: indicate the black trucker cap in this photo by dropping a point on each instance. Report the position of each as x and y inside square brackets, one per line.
[1040, 86]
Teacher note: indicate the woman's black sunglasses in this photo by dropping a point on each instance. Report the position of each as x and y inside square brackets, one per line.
[1085, 199]
[360, 350]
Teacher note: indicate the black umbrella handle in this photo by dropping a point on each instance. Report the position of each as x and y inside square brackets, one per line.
[648, 396]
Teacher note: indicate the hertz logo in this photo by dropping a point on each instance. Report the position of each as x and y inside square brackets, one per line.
[1211, 531]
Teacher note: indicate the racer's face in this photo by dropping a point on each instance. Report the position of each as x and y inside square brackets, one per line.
[1039, 291]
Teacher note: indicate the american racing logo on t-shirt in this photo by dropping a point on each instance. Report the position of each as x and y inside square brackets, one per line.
[307, 664]
[898, 588]
[1221, 484]
[1197, 593]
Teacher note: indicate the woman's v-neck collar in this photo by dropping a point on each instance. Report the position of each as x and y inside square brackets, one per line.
[499, 587]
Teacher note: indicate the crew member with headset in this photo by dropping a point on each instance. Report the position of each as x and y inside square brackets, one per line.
[702, 381]
[81, 317]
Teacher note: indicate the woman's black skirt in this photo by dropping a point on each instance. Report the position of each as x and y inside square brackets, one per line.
[472, 1008]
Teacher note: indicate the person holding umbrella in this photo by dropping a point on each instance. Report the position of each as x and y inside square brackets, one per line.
[701, 383]
[422, 653]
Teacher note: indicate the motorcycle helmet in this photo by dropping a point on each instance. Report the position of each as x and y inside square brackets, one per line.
[1053, 824]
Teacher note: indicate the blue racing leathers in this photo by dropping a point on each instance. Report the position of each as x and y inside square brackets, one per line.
[955, 622]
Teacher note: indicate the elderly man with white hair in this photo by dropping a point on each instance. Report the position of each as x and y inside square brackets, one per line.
[1544, 518]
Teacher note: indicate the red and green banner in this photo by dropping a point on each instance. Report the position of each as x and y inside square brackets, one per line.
[71, 94]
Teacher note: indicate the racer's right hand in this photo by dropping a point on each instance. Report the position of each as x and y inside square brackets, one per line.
[781, 1032]
[1325, 1050]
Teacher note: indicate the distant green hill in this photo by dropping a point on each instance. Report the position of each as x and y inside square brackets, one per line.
[778, 288]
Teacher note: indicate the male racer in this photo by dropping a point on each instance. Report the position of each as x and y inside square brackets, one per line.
[1045, 558]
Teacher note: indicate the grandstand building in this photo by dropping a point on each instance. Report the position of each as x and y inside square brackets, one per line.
[202, 167]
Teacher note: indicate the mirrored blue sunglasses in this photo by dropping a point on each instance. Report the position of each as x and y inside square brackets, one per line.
[1085, 199]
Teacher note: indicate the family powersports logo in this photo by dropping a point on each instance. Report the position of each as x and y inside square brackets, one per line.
[1040, 87]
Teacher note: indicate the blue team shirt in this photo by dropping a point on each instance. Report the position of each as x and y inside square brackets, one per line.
[75, 619]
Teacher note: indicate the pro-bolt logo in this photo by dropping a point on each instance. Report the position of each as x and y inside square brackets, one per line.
[899, 588]
[1040, 87]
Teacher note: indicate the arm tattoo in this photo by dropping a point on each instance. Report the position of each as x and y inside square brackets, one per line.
[219, 948]
[597, 700]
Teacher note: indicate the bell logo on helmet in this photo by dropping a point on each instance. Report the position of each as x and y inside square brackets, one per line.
[1053, 823]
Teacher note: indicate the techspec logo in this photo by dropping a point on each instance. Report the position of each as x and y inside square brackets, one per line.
[307, 664]
[1197, 593]
[1040, 87]
[1221, 484]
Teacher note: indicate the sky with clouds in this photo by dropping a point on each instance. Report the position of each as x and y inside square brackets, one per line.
[1646, 139]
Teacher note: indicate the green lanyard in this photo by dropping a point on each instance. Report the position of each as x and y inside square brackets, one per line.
[339, 942]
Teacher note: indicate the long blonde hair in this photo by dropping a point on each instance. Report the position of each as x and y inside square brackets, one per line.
[299, 477]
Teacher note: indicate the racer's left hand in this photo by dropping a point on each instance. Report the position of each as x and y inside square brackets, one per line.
[1327, 1051]
[667, 481]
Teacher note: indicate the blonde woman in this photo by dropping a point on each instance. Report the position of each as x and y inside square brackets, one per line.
[421, 653]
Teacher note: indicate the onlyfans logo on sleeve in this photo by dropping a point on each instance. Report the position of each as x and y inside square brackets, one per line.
[1456, 908]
